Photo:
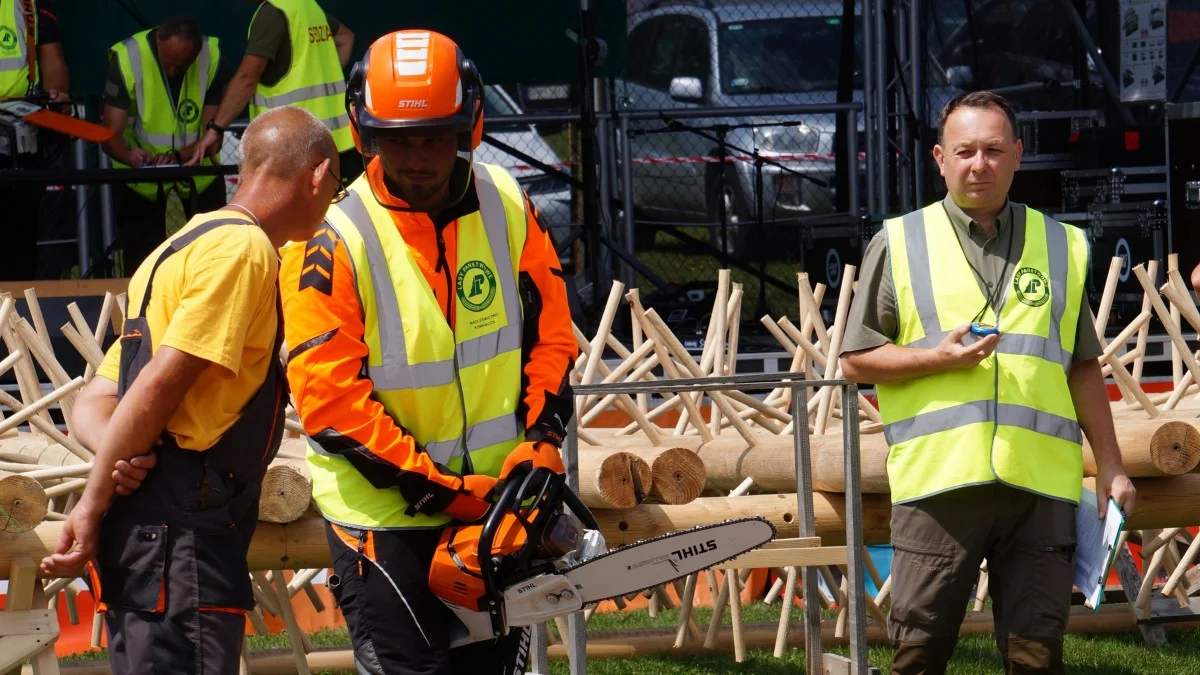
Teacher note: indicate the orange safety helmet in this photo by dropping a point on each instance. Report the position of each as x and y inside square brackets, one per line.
[413, 83]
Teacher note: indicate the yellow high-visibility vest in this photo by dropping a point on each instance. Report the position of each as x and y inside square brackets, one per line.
[314, 79]
[1011, 418]
[159, 123]
[455, 390]
[14, 49]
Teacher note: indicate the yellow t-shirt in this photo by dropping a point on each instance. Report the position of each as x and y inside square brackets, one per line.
[214, 299]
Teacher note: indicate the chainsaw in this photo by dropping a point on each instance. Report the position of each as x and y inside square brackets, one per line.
[538, 553]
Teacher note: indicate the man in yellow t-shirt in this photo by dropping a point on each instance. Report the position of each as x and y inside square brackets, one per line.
[196, 372]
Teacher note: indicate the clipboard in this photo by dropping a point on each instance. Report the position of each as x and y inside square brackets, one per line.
[1096, 546]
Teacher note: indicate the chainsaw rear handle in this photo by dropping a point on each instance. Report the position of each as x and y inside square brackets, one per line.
[549, 491]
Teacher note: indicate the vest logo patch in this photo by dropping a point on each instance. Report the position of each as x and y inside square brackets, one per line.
[188, 111]
[8, 38]
[1031, 287]
[476, 286]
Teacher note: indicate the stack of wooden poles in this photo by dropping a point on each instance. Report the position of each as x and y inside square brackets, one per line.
[682, 460]
[751, 470]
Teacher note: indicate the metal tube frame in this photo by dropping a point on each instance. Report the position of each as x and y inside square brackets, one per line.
[870, 110]
[856, 606]
[882, 144]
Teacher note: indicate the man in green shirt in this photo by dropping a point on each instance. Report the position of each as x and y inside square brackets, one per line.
[157, 64]
[275, 38]
[984, 426]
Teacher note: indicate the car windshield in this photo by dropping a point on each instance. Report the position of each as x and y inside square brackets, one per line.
[777, 56]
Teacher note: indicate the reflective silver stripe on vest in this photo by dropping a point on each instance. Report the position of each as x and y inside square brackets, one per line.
[395, 371]
[301, 94]
[1007, 414]
[938, 420]
[478, 435]
[920, 276]
[1047, 424]
[335, 123]
[1010, 343]
[21, 59]
[201, 65]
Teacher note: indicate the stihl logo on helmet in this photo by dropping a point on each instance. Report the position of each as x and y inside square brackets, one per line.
[415, 103]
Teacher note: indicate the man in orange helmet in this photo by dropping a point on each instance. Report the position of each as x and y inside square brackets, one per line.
[429, 345]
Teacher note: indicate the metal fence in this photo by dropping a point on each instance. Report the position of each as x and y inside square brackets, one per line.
[768, 138]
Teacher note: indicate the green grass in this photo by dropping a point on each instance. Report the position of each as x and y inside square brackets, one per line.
[1124, 654]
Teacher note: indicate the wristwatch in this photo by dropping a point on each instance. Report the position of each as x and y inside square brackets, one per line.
[212, 124]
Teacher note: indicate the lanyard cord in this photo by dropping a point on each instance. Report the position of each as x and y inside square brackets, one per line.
[994, 295]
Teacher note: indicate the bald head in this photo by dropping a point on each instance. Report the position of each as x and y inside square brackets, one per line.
[283, 142]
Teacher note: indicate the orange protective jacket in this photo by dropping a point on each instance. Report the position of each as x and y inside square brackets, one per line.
[324, 330]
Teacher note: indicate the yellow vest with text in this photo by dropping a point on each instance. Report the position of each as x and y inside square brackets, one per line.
[159, 123]
[1011, 418]
[14, 49]
[456, 391]
[314, 79]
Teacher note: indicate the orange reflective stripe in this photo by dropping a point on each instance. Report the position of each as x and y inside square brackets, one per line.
[347, 538]
[369, 546]
[94, 580]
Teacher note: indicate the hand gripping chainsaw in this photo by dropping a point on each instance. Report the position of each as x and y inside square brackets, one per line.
[538, 554]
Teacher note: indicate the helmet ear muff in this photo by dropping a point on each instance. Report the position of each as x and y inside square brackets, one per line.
[472, 82]
[354, 95]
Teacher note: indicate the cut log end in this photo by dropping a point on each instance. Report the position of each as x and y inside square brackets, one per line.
[1175, 447]
[286, 493]
[623, 480]
[23, 503]
[678, 476]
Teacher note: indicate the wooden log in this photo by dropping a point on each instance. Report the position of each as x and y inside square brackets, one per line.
[36, 450]
[1149, 448]
[613, 480]
[1144, 333]
[647, 520]
[286, 491]
[677, 475]
[23, 502]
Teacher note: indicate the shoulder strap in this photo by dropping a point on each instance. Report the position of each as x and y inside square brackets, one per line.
[178, 244]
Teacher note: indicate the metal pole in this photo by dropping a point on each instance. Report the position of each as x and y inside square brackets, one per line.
[854, 533]
[627, 197]
[576, 638]
[903, 103]
[916, 48]
[881, 108]
[1106, 77]
[539, 660]
[852, 149]
[808, 528]
[869, 105]
[604, 157]
[106, 205]
[83, 244]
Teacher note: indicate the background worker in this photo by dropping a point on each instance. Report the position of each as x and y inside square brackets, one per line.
[295, 55]
[407, 435]
[31, 63]
[163, 86]
[984, 433]
[196, 369]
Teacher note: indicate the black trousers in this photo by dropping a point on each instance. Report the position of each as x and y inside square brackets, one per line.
[398, 626]
[142, 223]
